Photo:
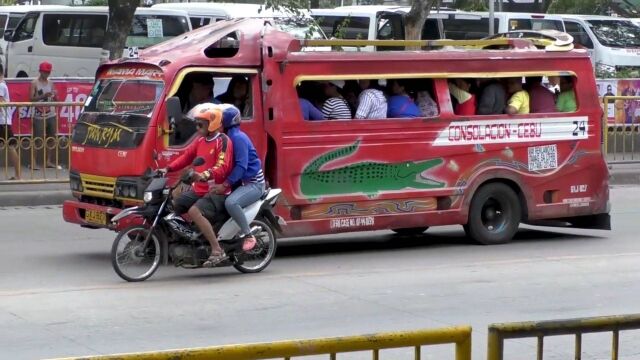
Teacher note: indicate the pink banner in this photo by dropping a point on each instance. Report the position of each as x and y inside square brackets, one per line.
[68, 89]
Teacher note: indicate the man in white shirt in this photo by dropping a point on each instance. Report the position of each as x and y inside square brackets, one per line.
[372, 104]
[6, 135]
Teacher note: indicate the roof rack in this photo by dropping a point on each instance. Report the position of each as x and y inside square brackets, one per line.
[491, 44]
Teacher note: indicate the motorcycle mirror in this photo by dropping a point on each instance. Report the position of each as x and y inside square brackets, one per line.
[198, 161]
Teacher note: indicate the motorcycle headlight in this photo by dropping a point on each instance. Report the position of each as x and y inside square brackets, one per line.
[148, 196]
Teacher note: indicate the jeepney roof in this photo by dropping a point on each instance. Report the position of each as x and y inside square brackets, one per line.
[189, 49]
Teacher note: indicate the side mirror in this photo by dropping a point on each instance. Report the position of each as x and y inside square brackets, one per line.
[174, 109]
[8, 35]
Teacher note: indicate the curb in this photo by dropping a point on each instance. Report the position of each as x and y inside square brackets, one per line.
[34, 198]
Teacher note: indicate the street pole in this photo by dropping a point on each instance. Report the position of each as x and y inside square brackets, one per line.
[491, 16]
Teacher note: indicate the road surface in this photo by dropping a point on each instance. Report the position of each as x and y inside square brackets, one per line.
[60, 297]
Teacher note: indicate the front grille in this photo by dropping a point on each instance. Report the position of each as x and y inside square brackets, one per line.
[98, 186]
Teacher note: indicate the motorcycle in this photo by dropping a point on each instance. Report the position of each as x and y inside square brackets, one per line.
[166, 237]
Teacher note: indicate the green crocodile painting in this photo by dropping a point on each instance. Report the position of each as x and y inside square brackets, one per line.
[369, 178]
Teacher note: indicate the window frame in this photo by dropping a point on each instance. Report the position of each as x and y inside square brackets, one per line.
[254, 94]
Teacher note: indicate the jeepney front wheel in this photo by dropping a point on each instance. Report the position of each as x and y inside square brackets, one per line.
[494, 215]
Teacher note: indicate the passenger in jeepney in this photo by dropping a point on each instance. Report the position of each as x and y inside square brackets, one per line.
[519, 102]
[493, 97]
[424, 98]
[350, 91]
[542, 99]
[400, 104]
[201, 90]
[567, 98]
[460, 90]
[309, 110]
[372, 104]
[237, 93]
[335, 107]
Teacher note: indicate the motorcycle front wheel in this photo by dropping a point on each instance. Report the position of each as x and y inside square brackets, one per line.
[130, 260]
[258, 258]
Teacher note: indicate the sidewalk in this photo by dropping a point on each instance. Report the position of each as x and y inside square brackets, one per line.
[56, 193]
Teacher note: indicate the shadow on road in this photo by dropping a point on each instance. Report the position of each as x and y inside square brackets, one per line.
[320, 245]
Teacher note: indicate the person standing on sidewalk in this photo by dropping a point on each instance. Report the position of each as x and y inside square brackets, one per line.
[44, 125]
[5, 127]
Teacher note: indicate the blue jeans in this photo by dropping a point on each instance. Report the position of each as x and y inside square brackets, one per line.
[240, 198]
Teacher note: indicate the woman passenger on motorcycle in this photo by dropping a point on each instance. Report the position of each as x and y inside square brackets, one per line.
[247, 177]
[217, 151]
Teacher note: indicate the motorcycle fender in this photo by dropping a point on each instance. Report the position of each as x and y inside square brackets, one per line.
[126, 212]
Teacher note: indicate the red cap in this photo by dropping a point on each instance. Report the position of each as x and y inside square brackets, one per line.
[46, 66]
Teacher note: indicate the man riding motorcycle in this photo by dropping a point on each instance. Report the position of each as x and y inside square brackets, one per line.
[217, 151]
[246, 178]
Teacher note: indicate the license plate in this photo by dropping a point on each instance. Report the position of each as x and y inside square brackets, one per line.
[96, 217]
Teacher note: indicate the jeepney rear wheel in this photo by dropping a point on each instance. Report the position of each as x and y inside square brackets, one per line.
[410, 231]
[494, 215]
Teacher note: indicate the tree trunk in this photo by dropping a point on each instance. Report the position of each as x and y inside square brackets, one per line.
[120, 20]
[415, 19]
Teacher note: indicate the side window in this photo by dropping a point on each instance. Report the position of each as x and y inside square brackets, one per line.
[580, 35]
[376, 99]
[390, 27]
[201, 87]
[512, 95]
[83, 30]
[467, 29]
[430, 30]
[25, 29]
[345, 27]
[199, 21]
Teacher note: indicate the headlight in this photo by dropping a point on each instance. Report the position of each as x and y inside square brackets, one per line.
[148, 196]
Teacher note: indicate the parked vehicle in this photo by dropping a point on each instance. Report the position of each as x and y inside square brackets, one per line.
[387, 23]
[201, 14]
[487, 172]
[612, 43]
[10, 16]
[71, 38]
[165, 237]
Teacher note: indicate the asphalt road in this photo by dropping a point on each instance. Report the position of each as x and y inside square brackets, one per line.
[60, 297]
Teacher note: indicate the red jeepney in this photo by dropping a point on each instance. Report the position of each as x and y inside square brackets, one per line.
[487, 172]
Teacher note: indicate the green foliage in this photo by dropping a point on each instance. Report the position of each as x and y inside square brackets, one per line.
[585, 7]
[471, 5]
[96, 3]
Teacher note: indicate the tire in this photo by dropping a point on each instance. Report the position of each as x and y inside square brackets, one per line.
[129, 239]
[494, 215]
[264, 251]
[410, 231]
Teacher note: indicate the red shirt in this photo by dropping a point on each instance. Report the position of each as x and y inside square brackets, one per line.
[217, 152]
[467, 108]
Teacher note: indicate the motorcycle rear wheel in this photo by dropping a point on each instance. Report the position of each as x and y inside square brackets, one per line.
[260, 256]
[127, 250]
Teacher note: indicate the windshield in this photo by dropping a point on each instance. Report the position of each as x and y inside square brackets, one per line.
[124, 96]
[148, 30]
[117, 113]
[616, 33]
[344, 27]
[14, 19]
[300, 28]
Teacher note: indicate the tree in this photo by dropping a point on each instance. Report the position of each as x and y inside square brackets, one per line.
[416, 17]
[120, 22]
[591, 7]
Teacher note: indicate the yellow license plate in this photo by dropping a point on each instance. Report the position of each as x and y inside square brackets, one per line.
[96, 217]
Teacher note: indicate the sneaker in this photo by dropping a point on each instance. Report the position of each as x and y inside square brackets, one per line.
[249, 243]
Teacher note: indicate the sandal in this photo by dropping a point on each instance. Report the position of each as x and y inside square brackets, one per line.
[215, 259]
[249, 243]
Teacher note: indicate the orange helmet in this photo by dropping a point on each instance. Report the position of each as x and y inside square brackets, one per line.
[210, 113]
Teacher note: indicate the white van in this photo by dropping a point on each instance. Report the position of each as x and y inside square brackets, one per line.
[613, 43]
[375, 22]
[475, 25]
[71, 38]
[202, 14]
[387, 22]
